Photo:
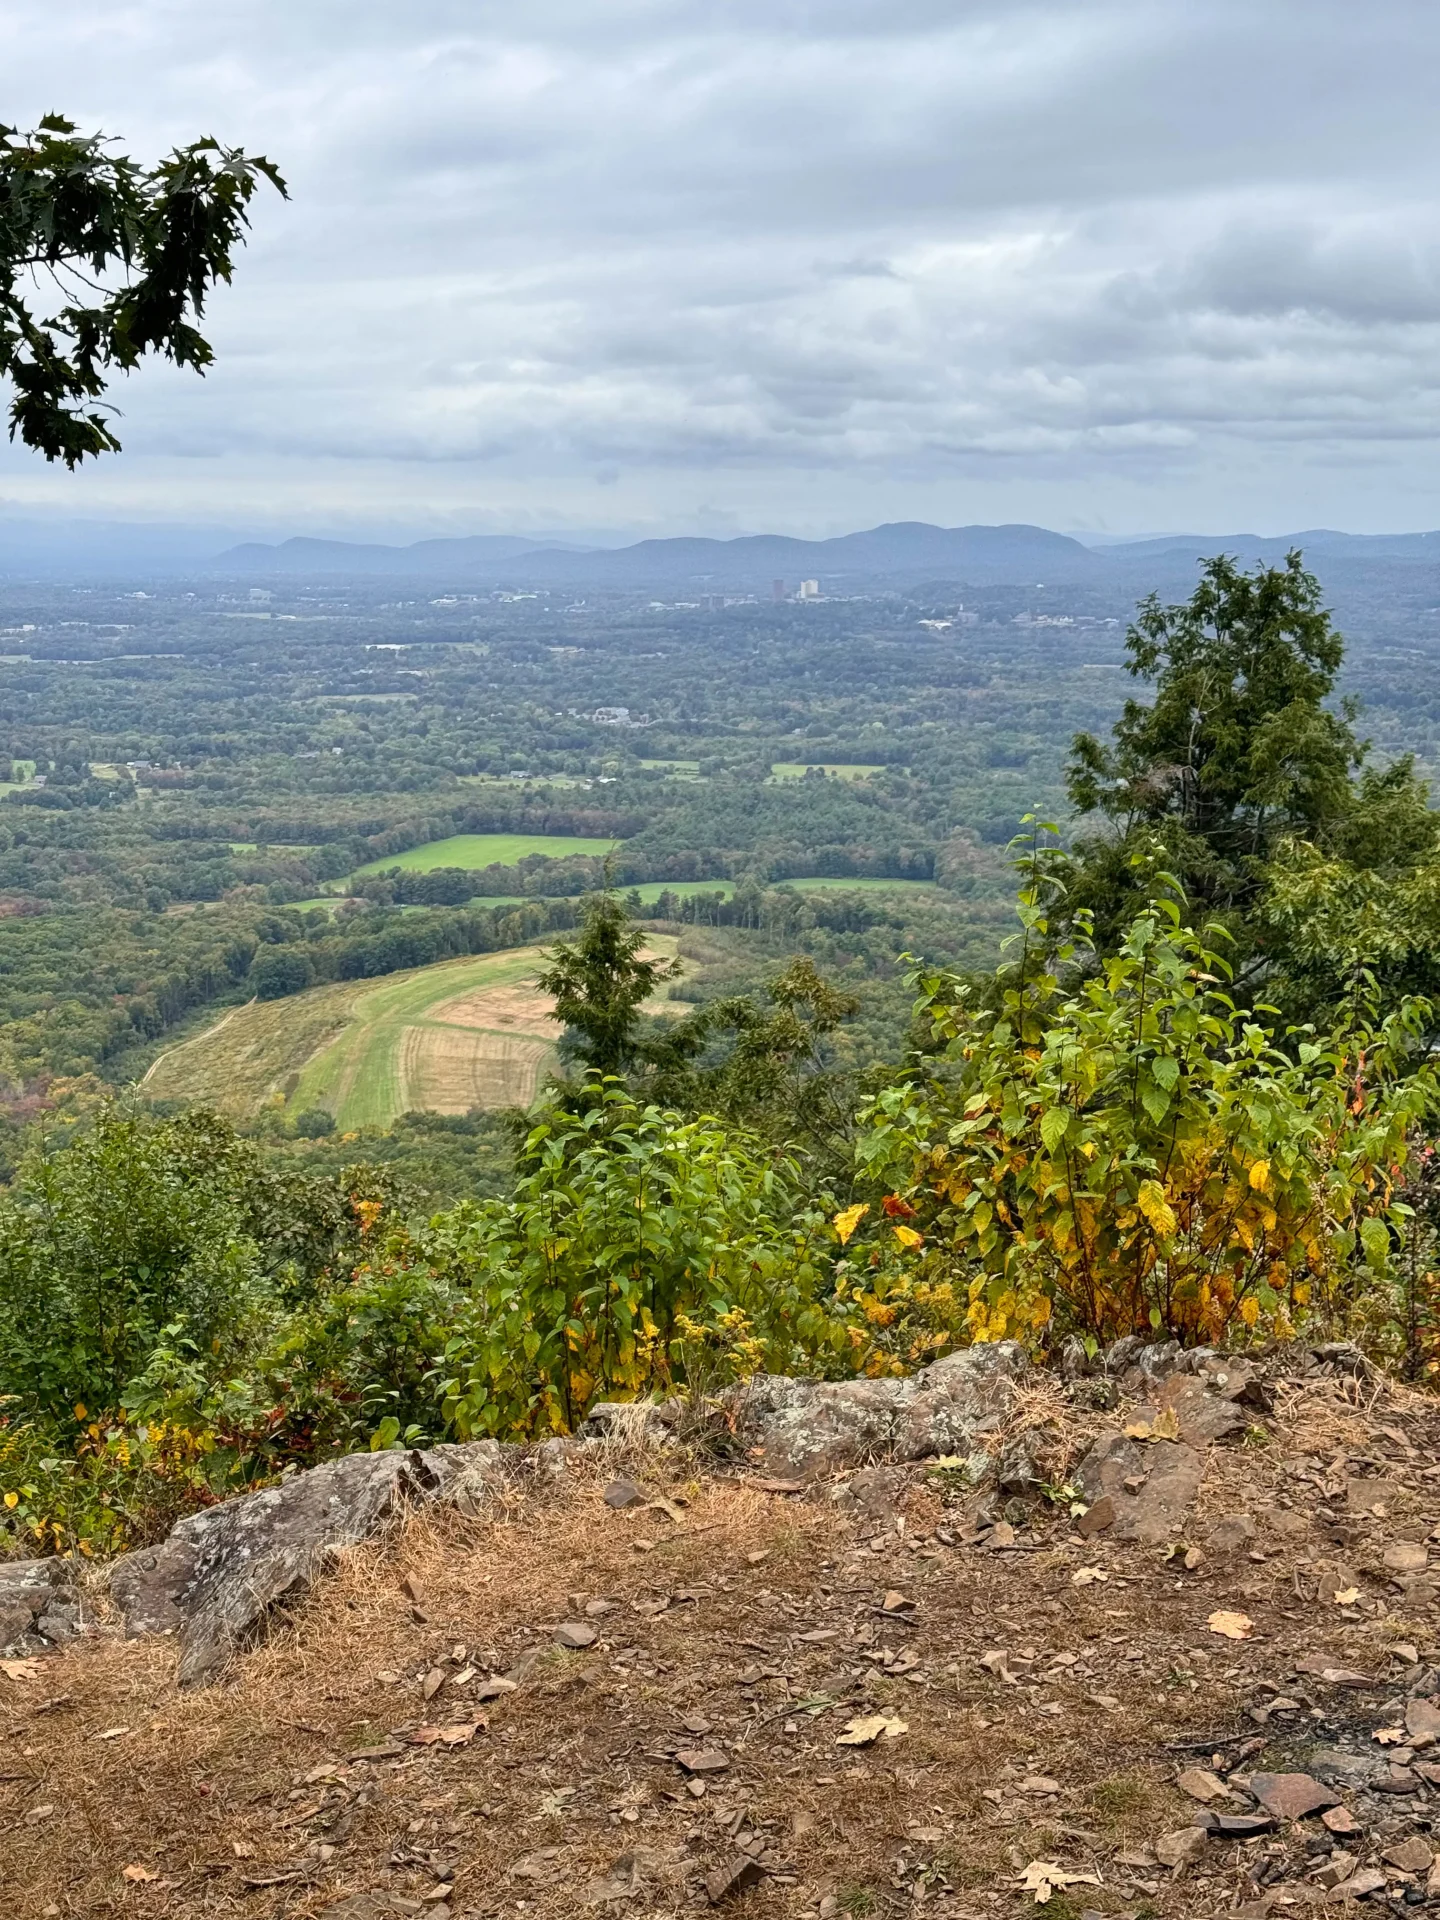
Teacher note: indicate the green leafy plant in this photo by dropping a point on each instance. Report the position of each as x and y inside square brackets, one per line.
[1112, 1146]
[640, 1249]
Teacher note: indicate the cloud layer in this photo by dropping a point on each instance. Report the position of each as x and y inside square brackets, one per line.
[666, 265]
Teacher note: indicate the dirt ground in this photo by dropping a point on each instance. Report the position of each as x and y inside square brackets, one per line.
[1041, 1694]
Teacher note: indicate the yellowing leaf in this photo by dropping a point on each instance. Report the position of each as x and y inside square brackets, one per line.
[848, 1220]
[908, 1237]
[1164, 1425]
[1155, 1207]
[869, 1728]
[139, 1874]
[1042, 1877]
[1234, 1626]
[1346, 1596]
[20, 1669]
[1260, 1175]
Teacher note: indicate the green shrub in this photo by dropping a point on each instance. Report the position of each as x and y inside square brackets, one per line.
[1115, 1148]
[128, 1236]
[640, 1250]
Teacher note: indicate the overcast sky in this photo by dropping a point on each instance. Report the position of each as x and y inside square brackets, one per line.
[722, 265]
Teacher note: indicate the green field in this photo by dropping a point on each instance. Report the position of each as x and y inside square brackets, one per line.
[841, 769]
[651, 890]
[368, 1075]
[682, 769]
[829, 885]
[474, 850]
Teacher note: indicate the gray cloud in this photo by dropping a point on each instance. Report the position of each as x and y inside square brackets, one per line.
[804, 265]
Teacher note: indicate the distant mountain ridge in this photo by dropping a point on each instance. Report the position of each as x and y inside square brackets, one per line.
[902, 554]
[1015, 552]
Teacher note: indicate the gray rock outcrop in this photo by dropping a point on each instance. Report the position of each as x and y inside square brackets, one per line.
[40, 1606]
[808, 1427]
[217, 1574]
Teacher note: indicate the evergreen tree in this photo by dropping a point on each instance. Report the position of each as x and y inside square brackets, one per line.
[600, 982]
[1237, 749]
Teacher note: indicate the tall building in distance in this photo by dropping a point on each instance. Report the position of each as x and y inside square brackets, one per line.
[777, 589]
[809, 589]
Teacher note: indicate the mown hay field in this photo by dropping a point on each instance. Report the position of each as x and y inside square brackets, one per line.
[443, 1039]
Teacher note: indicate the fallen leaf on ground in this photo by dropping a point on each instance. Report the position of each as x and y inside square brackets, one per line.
[20, 1669]
[458, 1734]
[1345, 1596]
[1087, 1576]
[139, 1873]
[1234, 1626]
[1043, 1877]
[868, 1728]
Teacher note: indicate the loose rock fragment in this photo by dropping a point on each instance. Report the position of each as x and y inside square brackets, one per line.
[1410, 1855]
[1291, 1796]
[575, 1635]
[1243, 1826]
[1341, 1820]
[1369, 1880]
[623, 1881]
[1099, 1515]
[1406, 1556]
[1201, 1785]
[702, 1760]
[623, 1493]
[738, 1874]
[1179, 1848]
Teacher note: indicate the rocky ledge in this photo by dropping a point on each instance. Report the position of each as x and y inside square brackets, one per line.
[218, 1574]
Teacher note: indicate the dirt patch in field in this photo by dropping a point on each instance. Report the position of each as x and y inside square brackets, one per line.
[452, 1069]
[517, 1008]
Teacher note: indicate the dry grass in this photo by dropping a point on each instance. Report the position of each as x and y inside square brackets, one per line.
[520, 1008]
[759, 1617]
[451, 1070]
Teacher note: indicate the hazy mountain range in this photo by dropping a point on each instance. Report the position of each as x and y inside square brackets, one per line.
[905, 553]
